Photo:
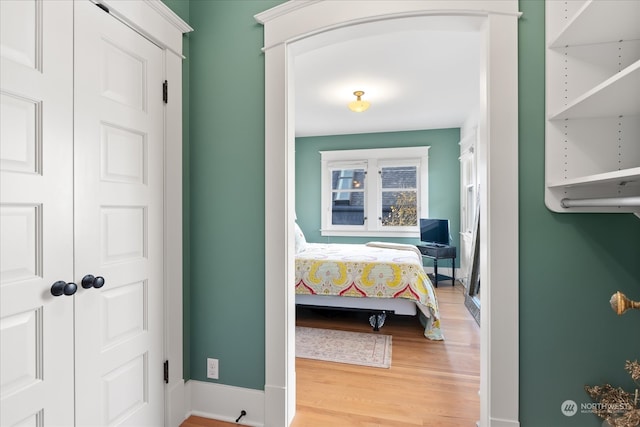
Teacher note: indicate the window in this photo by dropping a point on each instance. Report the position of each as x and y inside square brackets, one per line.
[468, 195]
[348, 194]
[399, 187]
[376, 192]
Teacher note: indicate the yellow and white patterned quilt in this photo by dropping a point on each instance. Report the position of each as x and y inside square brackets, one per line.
[374, 270]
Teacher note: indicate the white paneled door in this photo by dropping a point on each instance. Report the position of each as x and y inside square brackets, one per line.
[36, 213]
[118, 132]
[82, 208]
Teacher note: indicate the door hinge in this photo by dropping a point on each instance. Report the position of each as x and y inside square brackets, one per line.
[103, 7]
[166, 372]
[165, 92]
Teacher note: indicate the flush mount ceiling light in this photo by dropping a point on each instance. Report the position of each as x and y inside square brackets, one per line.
[359, 105]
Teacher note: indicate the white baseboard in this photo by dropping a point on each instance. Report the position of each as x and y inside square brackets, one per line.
[495, 422]
[175, 403]
[280, 405]
[224, 403]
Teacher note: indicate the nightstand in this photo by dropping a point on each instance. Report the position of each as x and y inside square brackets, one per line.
[438, 252]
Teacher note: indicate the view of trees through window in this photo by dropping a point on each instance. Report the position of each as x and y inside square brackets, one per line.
[404, 210]
[399, 196]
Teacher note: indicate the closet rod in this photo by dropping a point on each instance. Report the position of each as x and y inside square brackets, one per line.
[631, 201]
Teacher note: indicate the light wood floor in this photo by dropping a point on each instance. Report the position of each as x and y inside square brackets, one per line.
[430, 383]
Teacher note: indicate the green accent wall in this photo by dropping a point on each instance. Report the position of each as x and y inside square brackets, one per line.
[226, 174]
[444, 178]
[570, 264]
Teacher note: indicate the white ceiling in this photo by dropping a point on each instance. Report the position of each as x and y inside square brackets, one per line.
[418, 73]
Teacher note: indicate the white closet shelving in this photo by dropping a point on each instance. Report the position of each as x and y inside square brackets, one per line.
[592, 145]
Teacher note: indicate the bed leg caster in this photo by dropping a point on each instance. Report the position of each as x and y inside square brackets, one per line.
[377, 320]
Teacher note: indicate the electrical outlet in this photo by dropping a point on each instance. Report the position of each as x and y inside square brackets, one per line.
[212, 368]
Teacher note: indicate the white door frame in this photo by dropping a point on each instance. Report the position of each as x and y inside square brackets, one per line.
[497, 173]
[155, 21]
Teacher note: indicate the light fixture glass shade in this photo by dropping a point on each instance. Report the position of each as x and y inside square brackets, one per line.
[359, 105]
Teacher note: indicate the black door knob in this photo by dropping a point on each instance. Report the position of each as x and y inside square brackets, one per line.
[87, 281]
[70, 288]
[98, 282]
[63, 288]
[90, 281]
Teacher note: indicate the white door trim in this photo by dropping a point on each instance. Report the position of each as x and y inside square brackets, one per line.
[154, 20]
[498, 180]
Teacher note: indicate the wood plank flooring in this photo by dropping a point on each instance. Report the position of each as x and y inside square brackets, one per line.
[430, 383]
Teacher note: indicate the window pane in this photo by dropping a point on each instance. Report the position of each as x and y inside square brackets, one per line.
[399, 177]
[347, 196]
[347, 179]
[399, 208]
[470, 209]
[348, 211]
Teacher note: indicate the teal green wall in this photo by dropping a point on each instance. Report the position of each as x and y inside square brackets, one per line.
[570, 264]
[444, 177]
[226, 175]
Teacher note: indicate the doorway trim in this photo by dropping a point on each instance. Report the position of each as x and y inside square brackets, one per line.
[497, 173]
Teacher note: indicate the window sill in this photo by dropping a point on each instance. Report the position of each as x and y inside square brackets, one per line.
[368, 233]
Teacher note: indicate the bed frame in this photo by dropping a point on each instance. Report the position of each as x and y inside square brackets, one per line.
[378, 307]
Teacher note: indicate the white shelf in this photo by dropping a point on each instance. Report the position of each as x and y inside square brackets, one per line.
[617, 96]
[587, 43]
[586, 26]
[605, 179]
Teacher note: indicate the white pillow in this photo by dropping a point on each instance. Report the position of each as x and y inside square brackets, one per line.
[301, 242]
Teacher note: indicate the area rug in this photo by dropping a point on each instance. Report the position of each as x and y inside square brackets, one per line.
[356, 348]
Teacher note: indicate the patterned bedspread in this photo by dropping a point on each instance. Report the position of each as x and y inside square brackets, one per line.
[360, 271]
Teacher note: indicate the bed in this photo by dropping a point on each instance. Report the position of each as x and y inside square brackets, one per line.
[378, 276]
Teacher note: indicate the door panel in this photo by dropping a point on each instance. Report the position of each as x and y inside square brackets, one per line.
[21, 141]
[124, 155]
[36, 210]
[123, 76]
[22, 32]
[118, 228]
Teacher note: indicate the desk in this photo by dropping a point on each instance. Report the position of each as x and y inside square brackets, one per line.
[438, 252]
